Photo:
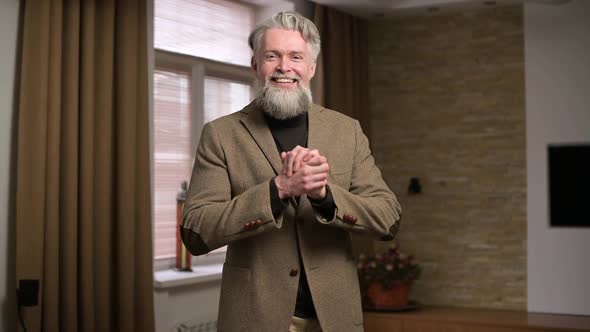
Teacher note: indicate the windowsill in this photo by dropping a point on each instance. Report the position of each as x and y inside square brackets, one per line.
[174, 278]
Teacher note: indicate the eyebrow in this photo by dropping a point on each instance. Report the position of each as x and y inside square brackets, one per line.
[290, 53]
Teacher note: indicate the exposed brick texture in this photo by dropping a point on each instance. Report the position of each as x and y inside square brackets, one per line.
[447, 105]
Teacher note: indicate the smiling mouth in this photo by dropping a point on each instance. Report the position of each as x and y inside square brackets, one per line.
[284, 79]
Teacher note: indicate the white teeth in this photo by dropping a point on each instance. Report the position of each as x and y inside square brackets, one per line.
[284, 80]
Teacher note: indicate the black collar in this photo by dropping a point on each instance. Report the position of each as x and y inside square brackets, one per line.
[297, 121]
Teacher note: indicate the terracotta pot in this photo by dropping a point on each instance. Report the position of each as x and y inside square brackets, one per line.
[395, 297]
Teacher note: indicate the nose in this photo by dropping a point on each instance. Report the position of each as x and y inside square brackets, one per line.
[284, 65]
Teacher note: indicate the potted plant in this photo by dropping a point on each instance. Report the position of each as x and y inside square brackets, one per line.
[386, 278]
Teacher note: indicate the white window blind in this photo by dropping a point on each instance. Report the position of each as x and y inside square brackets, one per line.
[224, 97]
[172, 153]
[212, 29]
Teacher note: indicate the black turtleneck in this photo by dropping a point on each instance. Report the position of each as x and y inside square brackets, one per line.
[287, 135]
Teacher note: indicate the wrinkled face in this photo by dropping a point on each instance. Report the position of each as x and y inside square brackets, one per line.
[284, 60]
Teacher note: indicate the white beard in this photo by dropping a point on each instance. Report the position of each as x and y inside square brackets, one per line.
[283, 104]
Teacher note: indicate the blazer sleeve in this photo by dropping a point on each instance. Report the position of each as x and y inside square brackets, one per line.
[368, 206]
[211, 217]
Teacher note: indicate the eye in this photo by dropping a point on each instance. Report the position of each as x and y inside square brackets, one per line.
[297, 58]
[270, 56]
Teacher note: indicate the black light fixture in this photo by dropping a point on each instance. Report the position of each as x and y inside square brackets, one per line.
[414, 187]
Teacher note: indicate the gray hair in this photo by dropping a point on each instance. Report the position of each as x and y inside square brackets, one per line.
[288, 21]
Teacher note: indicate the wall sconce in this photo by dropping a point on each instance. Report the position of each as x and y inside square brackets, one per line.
[414, 187]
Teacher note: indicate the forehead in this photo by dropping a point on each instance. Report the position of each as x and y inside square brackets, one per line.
[284, 40]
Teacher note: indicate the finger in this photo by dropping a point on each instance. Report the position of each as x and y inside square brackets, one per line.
[289, 162]
[298, 158]
[298, 148]
[286, 163]
[312, 186]
[311, 154]
[283, 159]
[316, 161]
[310, 169]
[319, 177]
[304, 181]
[293, 156]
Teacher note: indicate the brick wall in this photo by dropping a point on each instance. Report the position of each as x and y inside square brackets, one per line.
[447, 105]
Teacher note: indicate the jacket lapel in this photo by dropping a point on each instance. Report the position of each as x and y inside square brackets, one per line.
[317, 138]
[258, 128]
[317, 135]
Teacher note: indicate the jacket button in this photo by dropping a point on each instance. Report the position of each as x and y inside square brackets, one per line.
[258, 223]
[293, 272]
[349, 219]
[247, 226]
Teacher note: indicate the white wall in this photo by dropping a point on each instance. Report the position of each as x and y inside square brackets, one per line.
[557, 58]
[188, 305]
[9, 12]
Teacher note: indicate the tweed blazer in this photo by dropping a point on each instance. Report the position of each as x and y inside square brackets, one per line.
[228, 203]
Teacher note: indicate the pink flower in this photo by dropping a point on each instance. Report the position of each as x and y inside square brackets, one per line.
[373, 264]
[389, 267]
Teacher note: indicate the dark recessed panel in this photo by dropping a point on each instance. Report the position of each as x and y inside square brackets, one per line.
[569, 185]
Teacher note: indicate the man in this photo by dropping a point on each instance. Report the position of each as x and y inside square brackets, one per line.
[283, 183]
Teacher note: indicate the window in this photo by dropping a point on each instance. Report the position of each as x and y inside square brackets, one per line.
[223, 96]
[201, 74]
[172, 153]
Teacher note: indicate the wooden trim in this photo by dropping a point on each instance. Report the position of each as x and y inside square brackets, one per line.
[184, 62]
[471, 319]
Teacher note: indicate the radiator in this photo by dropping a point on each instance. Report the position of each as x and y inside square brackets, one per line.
[210, 326]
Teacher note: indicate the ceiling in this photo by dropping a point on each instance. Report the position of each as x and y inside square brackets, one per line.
[387, 8]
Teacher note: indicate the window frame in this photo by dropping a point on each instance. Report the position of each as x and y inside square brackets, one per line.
[198, 69]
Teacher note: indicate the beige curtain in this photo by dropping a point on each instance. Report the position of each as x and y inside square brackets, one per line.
[341, 81]
[83, 215]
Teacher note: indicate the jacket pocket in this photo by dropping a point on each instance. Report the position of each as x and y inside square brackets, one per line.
[234, 301]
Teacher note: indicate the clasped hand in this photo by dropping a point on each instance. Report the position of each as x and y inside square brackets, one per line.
[304, 171]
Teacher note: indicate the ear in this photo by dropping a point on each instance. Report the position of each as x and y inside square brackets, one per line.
[253, 63]
[312, 69]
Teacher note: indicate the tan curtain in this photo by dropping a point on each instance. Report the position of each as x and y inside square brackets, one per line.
[83, 215]
[341, 81]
